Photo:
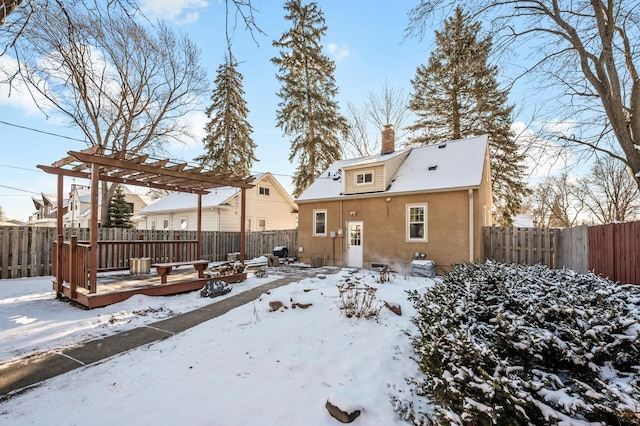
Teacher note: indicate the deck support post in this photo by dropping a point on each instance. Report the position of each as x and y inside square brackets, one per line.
[243, 197]
[60, 234]
[73, 267]
[199, 229]
[93, 228]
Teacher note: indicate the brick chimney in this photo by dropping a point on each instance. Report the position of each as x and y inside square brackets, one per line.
[388, 139]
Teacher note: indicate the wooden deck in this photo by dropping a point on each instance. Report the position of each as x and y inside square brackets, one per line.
[116, 287]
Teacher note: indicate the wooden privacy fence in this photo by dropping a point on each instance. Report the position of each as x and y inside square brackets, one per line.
[26, 251]
[527, 246]
[611, 250]
[614, 251]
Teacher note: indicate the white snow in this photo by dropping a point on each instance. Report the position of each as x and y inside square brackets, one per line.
[249, 366]
[459, 165]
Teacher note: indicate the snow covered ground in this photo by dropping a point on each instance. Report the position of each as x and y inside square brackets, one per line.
[249, 366]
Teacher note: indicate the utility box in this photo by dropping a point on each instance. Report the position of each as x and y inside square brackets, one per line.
[140, 265]
[423, 268]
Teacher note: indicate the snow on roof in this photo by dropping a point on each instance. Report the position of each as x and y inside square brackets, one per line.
[459, 164]
[186, 201]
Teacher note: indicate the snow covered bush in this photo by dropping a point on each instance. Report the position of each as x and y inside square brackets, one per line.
[511, 344]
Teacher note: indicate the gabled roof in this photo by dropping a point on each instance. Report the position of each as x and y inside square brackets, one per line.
[459, 164]
[218, 197]
[179, 201]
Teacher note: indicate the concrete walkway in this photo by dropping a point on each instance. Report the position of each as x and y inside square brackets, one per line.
[33, 370]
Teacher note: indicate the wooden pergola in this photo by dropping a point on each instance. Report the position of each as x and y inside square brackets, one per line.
[139, 171]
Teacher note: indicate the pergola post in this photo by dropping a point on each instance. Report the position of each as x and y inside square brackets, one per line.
[199, 228]
[243, 198]
[93, 228]
[60, 236]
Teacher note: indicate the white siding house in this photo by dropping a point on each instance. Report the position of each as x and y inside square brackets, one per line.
[78, 214]
[269, 207]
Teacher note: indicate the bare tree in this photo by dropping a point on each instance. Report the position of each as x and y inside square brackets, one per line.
[610, 193]
[125, 86]
[557, 202]
[588, 49]
[389, 106]
[6, 7]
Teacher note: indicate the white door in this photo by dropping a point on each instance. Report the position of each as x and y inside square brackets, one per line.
[354, 244]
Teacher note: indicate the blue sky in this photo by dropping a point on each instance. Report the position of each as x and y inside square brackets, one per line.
[364, 37]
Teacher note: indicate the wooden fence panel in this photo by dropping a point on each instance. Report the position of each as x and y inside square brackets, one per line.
[526, 246]
[614, 250]
[25, 251]
[573, 249]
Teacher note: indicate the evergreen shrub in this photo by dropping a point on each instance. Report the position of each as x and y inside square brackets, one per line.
[512, 344]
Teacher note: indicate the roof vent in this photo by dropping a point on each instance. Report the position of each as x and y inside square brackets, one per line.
[431, 168]
[442, 145]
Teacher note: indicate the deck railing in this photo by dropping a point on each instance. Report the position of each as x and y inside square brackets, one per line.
[115, 255]
[75, 263]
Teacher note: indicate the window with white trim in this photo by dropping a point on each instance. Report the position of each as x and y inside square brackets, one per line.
[263, 190]
[165, 224]
[183, 224]
[364, 178]
[417, 222]
[262, 224]
[319, 223]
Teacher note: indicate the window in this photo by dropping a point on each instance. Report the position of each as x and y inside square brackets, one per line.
[183, 224]
[262, 224]
[153, 224]
[165, 224]
[417, 222]
[364, 178]
[319, 222]
[263, 190]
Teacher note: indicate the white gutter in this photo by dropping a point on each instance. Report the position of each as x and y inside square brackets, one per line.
[470, 225]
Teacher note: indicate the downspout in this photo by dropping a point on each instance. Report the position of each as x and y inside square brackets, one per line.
[470, 225]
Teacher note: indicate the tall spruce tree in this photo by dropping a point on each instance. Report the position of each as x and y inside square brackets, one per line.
[456, 95]
[307, 111]
[228, 143]
[119, 211]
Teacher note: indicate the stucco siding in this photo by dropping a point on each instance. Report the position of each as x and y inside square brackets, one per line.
[385, 229]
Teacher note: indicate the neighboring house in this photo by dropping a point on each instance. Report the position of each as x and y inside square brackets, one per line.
[12, 222]
[46, 210]
[384, 209]
[268, 207]
[523, 220]
[78, 214]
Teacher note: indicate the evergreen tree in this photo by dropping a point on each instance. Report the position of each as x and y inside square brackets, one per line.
[307, 111]
[456, 95]
[119, 211]
[228, 144]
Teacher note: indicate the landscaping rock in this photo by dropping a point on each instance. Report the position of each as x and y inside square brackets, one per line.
[215, 288]
[275, 305]
[394, 307]
[301, 305]
[343, 414]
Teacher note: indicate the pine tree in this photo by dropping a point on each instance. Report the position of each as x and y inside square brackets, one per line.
[119, 211]
[307, 111]
[228, 143]
[456, 95]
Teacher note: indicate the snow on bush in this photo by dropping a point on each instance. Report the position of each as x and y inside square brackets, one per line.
[510, 344]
